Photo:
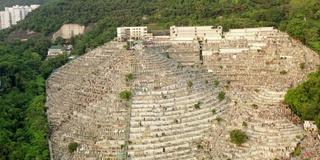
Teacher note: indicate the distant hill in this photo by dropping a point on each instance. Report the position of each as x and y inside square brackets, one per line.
[10, 3]
[299, 19]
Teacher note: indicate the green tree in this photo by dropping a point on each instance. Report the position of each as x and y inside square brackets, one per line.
[59, 41]
[297, 28]
[312, 34]
[317, 120]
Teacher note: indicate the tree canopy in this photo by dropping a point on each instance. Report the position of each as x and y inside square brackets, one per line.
[23, 123]
[300, 20]
[304, 100]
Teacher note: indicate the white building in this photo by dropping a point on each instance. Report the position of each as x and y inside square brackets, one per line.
[250, 33]
[125, 33]
[309, 126]
[5, 19]
[190, 33]
[12, 15]
[15, 14]
[56, 50]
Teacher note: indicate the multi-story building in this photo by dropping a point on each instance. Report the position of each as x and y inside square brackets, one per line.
[5, 19]
[15, 14]
[134, 33]
[195, 32]
[12, 15]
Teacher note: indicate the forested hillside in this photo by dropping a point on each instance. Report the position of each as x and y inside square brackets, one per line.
[23, 124]
[23, 69]
[304, 100]
[298, 18]
[10, 3]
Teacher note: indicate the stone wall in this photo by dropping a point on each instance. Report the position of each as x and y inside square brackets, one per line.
[69, 30]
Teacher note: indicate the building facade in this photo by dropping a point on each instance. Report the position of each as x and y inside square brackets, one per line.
[190, 33]
[12, 15]
[250, 33]
[5, 19]
[133, 33]
[56, 50]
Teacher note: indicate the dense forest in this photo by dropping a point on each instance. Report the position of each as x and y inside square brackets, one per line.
[23, 124]
[304, 100]
[23, 68]
[10, 3]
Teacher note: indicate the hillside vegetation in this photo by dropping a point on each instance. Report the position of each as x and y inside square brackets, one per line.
[299, 18]
[304, 100]
[23, 124]
[23, 69]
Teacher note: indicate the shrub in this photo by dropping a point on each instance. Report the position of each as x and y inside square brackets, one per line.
[129, 77]
[216, 83]
[297, 151]
[199, 146]
[125, 95]
[219, 119]
[254, 106]
[283, 72]
[238, 137]
[221, 95]
[190, 84]
[244, 124]
[213, 111]
[302, 65]
[197, 105]
[317, 121]
[180, 66]
[72, 147]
